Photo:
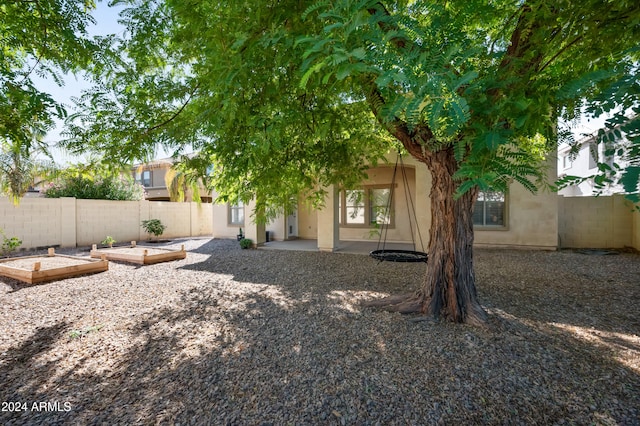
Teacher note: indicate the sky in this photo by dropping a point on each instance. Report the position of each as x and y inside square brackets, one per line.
[106, 23]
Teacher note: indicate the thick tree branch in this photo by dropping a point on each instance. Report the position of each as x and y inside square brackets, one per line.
[396, 127]
[560, 52]
[399, 42]
[521, 44]
[174, 116]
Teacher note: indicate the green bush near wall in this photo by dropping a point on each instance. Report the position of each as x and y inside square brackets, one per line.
[122, 188]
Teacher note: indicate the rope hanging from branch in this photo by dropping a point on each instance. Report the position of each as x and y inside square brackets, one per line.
[395, 255]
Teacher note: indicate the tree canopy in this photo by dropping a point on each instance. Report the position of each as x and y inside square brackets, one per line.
[43, 38]
[287, 96]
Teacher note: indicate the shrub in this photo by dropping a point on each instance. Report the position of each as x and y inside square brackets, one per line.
[9, 244]
[246, 243]
[153, 226]
[109, 241]
[101, 188]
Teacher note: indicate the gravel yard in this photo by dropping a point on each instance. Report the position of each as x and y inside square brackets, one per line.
[258, 337]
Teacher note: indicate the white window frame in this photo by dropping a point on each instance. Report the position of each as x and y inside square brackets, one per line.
[239, 208]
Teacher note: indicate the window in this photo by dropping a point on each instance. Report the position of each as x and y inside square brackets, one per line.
[593, 155]
[566, 161]
[144, 178]
[489, 209]
[236, 214]
[354, 207]
[378, 205]
[366, 206]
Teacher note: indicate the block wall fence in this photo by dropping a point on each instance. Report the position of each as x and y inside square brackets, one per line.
[583, 222]
[69, 222]
[598, 222]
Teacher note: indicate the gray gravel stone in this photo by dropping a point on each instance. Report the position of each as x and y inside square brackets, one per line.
[261, 337]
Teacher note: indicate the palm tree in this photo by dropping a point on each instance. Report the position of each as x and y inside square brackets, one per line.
[20, 169]
[188, 173]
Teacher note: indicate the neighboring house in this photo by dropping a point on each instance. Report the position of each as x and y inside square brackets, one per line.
[515, 219]
[582, 161]
[152, 175]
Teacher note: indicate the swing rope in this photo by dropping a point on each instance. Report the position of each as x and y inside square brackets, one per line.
[394, 255]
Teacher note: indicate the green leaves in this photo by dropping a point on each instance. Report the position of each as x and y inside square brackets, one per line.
[289, 96]
[43, 39]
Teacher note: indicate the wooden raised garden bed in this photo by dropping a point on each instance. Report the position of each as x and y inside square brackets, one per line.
[139, 255]
[49, 267]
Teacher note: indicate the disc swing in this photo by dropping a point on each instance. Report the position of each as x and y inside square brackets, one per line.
[395, 255]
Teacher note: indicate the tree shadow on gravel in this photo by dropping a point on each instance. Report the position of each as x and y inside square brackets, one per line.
[263, 358]
[319, 271]
[261, 348]
[556, 287]
[25, 364]
[594, 295]
[562, 288]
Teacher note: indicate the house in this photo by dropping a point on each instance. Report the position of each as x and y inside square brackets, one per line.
[582, 161]
[152, 176]
[515, 219]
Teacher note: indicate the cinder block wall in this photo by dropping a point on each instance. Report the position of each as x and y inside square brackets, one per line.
[201, 219]
[67, 222]
[37, 222]
[98, 218]
[177, 217]
[596, 222]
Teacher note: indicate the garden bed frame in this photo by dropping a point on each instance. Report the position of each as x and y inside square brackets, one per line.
[44, 267]
[139, 255]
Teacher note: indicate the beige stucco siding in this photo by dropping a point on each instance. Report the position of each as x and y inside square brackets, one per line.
[307, 221]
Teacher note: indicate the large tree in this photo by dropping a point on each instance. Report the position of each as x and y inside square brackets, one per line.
[38, 38]
[288, 96]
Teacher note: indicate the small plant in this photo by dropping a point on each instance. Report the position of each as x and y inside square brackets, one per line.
[9, 244]
[76, 334]
[154, 227]
[110, 241]
[246, 243]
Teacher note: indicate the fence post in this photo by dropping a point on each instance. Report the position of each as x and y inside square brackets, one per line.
[68, 227]
[145, 208]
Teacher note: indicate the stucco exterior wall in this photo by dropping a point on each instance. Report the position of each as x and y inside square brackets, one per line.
[307, 221]
[400, 231]
[220, 221]
[532, 219]
[276, 229]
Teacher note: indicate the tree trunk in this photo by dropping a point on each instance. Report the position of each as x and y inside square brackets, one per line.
[449, 288]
